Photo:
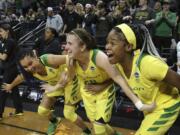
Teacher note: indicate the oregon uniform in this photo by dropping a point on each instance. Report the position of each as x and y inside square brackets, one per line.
[147, 84]
[99, 106]
[71, 90]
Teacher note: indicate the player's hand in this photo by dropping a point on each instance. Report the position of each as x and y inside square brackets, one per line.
[48, 88]
[64, 79]
[94, 88]
[7, 87]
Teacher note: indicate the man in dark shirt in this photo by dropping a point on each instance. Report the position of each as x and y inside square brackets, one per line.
[89, 19]
[103, 26]
[71, 19]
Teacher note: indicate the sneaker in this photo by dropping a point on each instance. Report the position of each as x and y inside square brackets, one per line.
[52, 127]
[15, 114]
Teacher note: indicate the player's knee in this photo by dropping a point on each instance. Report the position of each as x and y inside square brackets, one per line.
[99, 128]
[43, 111]
[69, 113]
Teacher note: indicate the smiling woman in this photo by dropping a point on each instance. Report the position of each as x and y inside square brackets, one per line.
[32, 64]
[149, 77]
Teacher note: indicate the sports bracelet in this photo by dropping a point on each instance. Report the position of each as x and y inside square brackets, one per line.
[139, 105]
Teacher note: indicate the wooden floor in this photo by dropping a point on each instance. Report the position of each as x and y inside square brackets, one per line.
[32, 124]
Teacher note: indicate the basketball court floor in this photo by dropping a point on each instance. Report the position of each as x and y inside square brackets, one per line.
[33, 124]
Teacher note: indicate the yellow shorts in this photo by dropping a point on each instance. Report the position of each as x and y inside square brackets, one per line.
[100, 105]
[71, 92]
[159, 121]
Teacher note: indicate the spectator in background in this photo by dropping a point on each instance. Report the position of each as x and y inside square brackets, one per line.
[123, 7]
[103, 25]
[31, 15]
[119, 12]
[89, 19]
[7, 56]
[21, 18]
[164, 24]
[157, 7]
[54, 21]
[2, 5]
[49, 43]
[40, 16]
[61, 8]
[26, 4]
[84, 2]
[71, 18]
[143, 15]
[14, 17]
[79, 9]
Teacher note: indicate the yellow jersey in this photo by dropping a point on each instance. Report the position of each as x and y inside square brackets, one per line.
[53, 74]
[146, 79]
[93, 74]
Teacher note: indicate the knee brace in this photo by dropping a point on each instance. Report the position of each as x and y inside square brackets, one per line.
[99, 128]
[43, 111]
[69, 113]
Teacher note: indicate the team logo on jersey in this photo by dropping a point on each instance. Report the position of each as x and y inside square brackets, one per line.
[138, 88]
[92, 68]
[136, 74]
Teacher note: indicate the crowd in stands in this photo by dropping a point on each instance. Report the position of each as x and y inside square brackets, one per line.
[98, 17]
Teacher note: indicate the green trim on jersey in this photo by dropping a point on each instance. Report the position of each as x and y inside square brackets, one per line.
[44, 60]
[95, 51]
